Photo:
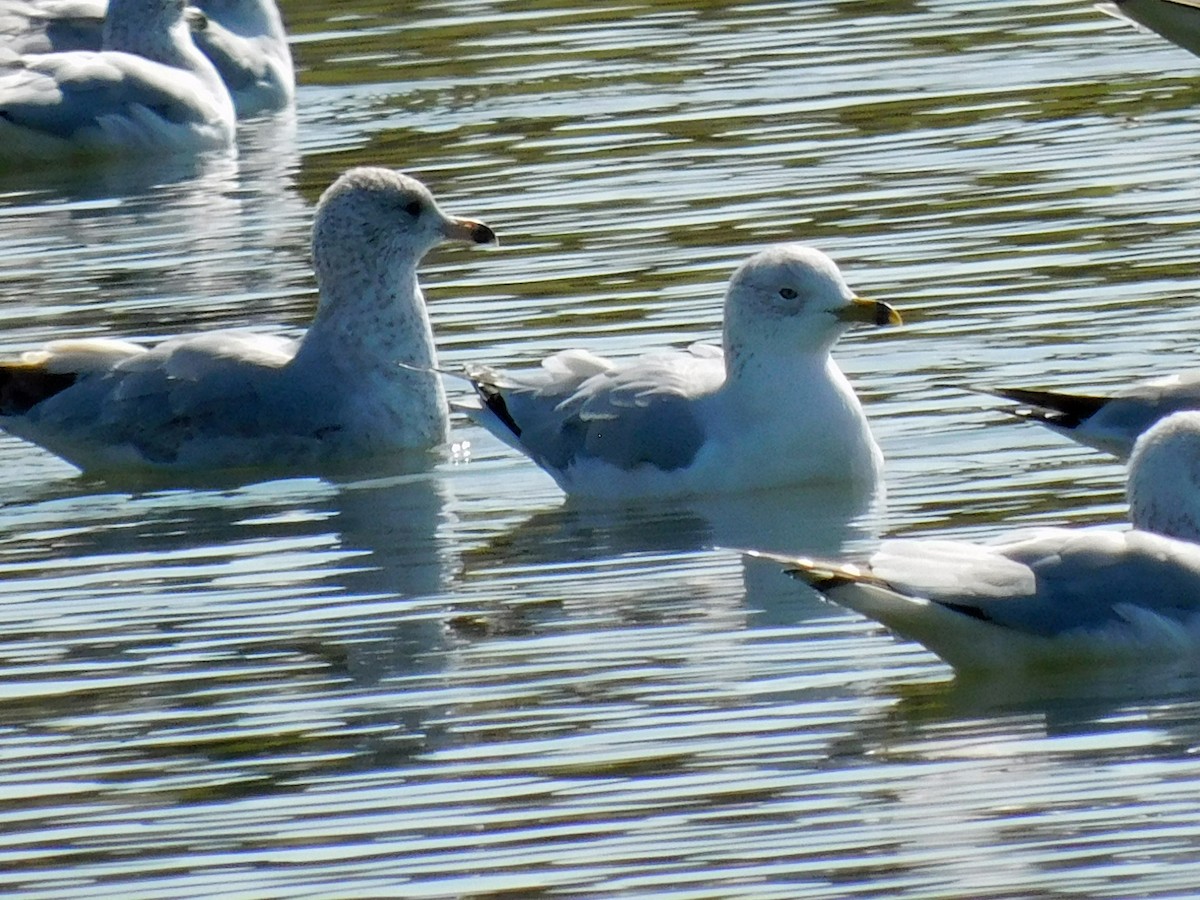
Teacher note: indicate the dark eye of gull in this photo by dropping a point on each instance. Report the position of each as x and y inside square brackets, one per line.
[787, 293]
[413, 208]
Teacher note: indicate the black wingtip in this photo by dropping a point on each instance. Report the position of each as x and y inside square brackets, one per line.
[821, 576]
[822, 580]
[23, 386]
[494, 401]
[1064, 410]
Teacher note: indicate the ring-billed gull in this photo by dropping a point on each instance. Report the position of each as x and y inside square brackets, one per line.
[245, 39]
[247, 43]
[148, 89]
[769, 407]
[1049, 597]
[356, 385]
[1176, 20]
[1108, 423]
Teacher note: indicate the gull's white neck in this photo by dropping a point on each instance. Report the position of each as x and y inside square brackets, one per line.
[768, 379]
[259, 23]
[805, 401]
[248, 18]
[772, 362]
[377, 316]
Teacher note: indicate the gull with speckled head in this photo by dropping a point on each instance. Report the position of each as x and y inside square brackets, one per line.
[1049, 597]
[769, 407]
[358, 384]
[148, 90]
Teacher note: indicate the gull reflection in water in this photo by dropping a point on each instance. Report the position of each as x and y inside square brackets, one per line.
[618, 550]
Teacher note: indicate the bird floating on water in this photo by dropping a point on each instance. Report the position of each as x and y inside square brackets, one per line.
[244, 39]
[1048, 597]
[148, 90]
[768, 407]
[358, 384]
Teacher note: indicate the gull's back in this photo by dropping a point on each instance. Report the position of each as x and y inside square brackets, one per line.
[206, 400]
[580, 410]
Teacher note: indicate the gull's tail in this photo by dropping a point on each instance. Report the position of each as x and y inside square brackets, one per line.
[1054, 408]
[821, 574]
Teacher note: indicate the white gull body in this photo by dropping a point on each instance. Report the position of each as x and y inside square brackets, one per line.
[244, 39]
[768, 407]
[1049, 597]
[149, 90]
[356, 385]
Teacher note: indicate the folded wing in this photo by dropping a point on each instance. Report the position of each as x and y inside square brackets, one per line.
[580, 407]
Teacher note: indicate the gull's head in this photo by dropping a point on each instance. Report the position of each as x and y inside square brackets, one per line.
[794, 297]
[1164, 478]
[384, 219]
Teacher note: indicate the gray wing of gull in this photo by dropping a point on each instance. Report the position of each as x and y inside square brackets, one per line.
[1048, 581]
[256, 68]
[1110, 423]
[213, 385]
[580, 407]
[51, 27]
[48, 26]
[1176, 20]
[62, 94]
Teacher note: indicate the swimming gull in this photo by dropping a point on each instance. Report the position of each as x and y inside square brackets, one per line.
[149, 89]
[356, 385]
[1049, 597]
[769, 407]
[1108, 423]
[247, 43]
[244, 39]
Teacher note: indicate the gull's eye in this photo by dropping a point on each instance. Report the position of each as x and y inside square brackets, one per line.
[787, 293]
[413, 208]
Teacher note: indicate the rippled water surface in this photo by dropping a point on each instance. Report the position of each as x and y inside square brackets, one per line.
[448, 683]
